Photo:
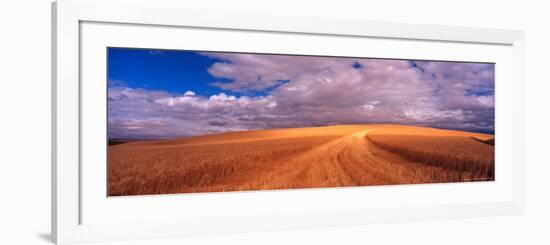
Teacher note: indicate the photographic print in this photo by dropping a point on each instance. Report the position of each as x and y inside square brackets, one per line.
[183, 121]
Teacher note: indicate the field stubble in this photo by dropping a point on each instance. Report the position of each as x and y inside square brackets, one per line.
[337, 156]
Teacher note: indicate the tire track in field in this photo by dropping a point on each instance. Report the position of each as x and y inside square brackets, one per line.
[345, 161]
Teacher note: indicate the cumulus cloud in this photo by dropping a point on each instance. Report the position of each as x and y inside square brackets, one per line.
[139, 113]
[301, 91]
[189, 93]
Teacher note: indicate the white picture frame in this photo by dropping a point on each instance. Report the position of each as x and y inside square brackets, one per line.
[68, 17]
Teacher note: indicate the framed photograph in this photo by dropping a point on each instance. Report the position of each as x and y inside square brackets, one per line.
[175, 122]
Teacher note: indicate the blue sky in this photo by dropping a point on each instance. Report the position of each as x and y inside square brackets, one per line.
[167, 70]
[171, 93]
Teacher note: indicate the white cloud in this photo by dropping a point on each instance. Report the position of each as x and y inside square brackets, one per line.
[319, 91]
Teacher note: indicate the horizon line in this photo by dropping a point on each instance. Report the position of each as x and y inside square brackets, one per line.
[490, 132]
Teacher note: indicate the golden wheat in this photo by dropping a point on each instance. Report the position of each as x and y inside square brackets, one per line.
[336, 156]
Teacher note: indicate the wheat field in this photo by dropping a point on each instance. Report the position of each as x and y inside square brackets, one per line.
[317, 157]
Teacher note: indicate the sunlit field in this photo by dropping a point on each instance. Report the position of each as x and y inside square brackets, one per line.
[318, 157]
